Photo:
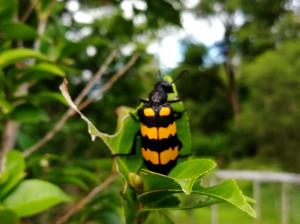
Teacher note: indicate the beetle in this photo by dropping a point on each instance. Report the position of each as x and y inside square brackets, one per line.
[160, 144]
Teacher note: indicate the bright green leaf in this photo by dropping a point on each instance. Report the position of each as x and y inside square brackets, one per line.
[184, 174]
[48, 68]
[182, 124]
[33, 196]
[28, 113]
[122, 140]
[228, 191]
[13, 55]
[5, 106]
[187, 172]
[158, 185]
[18, 31]
[14, 168]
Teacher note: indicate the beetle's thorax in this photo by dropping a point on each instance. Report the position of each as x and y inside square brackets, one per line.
[158, 96]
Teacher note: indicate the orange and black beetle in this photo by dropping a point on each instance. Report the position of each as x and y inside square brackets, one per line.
[160, 144]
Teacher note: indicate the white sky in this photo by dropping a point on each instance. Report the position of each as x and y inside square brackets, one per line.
[204, 31]
[167, 49]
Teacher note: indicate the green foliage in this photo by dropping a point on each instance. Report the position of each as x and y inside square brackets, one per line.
[18, 31]
[271, 113]
[11, 56]
[33, 196]
[28, 113]
[7, 216]
[13, 172]
[23, 198]
[157, 186]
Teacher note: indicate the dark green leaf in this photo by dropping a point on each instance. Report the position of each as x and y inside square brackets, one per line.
[158, 218]
[28, 113]
[18, 31]
[8, 216]
[8, 9]
[33, 196]
[44, 97]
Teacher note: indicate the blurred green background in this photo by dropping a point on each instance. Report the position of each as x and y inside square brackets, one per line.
[242, 93]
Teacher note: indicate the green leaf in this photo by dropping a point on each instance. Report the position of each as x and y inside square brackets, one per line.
[72, 180]
[8, 216]
[18, 31]
[33, 196]
[48, 68]
[13, 55]
[187, 172]
[44, 97]
[184, 174]
[8, 9]
[158, 218]
[169, 200]
[122, 140]
[228, 191]
[28, 113]
[5, 106]
[14, 168]
[159, 200]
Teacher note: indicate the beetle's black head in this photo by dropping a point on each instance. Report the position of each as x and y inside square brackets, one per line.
[160, 93]
[166, 86]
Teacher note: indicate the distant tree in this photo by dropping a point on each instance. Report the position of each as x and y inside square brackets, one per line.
[244, 40]
[271, 113]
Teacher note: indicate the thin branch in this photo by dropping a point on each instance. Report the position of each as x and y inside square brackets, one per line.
[111, 82]
[70, 112]
[87, 199]
[28, 11]
[95, 78]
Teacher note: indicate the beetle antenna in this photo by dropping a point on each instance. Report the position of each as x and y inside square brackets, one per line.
[160, 75]
[180, 74]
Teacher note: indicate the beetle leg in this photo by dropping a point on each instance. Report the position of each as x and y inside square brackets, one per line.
[178, 114]
[134, 117]
[144, 100]
[174, 101]
[185, 156]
